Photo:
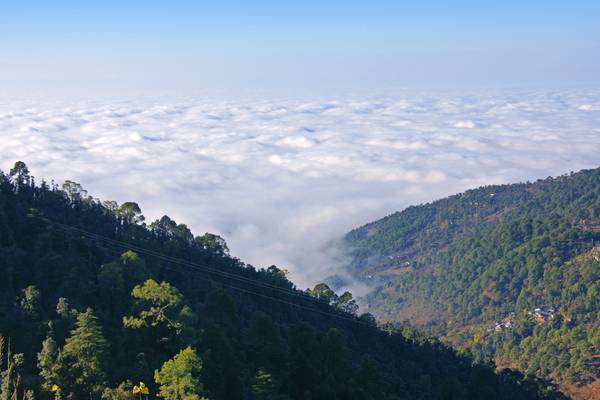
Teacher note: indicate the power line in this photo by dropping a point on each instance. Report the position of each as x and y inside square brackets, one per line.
[200, 269]
[350, 319]
[180, 261]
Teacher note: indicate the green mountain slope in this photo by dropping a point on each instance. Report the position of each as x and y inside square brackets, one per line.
[93, 300]
[511, 272]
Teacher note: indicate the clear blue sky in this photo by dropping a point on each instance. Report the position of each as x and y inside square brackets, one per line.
[299, 45]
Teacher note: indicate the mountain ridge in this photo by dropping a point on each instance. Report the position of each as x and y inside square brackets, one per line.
[461, 265]
[92, 298]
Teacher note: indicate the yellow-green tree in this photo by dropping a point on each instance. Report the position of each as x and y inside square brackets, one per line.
[178, 377]
[82, 359]
[159, 304]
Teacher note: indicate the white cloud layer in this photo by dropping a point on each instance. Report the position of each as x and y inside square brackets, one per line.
[279, 179]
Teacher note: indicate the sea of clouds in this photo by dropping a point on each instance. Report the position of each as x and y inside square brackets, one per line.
[280, 179]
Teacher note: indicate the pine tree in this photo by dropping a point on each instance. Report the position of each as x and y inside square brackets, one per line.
[161, 303]
[178, 377]
[265, 387]
[30, 301]
[47, 362]
[82, 359]
[20, 175]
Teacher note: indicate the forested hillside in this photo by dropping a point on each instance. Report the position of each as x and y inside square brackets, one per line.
[510, 272]
[95, 303]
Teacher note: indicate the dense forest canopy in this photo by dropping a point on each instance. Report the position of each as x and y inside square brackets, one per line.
[510, 272]
[97, 303]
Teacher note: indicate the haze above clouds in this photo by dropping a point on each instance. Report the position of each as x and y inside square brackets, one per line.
[280, 179]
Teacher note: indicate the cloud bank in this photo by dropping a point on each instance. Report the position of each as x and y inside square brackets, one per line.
[279, 179]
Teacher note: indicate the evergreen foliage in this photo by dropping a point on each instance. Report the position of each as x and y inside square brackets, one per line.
[510, 272]
[178, 377]
[82, 361]
[157, 289]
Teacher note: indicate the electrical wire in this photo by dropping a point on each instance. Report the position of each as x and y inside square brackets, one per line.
[181, 261]
[199, 269]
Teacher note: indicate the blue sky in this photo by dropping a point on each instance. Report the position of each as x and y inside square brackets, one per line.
[306, 45]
